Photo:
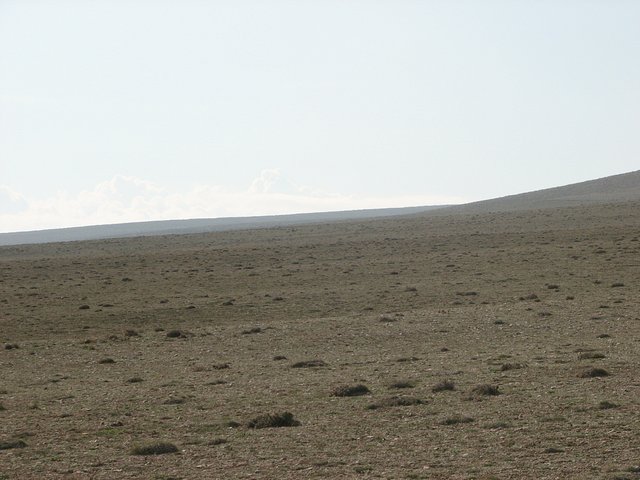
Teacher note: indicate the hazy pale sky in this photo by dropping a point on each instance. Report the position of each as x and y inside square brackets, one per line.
[114, 111]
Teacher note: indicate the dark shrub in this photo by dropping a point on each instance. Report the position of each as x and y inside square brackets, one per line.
[275, 420]
[350, 391]
[309, 364]
[157, 448]
[443, 386]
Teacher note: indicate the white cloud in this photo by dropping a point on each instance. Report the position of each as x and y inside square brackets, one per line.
[264, 182]
[11, 202]
[128, 199]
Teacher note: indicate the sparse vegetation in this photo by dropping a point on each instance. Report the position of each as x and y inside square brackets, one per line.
[346, 328]
[350, 391]
[217, 441]
[497, 425]
[505, 367]
[531, 296]
[275, 420]
[456, 419]
[407, 359]
[553, 450]
[309, 364]
[155, 448]
[443, 386]
[10, 444]
[399, 384]
[481, 391]
[252, 330]
[395, 402]
[593, 372]
[590, 355]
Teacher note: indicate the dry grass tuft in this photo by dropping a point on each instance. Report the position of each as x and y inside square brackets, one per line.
[590, 355]
[456, 419]
[156, 448]
[309, 364]
[443, 386]
[350, 391]
[10, 444]
[275, 420]
[511, 366]
[593, 372]
[217, 441]
[402, 384]
[395, 402]
[250, 331]
[480, 391]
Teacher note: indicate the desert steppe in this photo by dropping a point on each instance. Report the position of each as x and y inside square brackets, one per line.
[185, 339]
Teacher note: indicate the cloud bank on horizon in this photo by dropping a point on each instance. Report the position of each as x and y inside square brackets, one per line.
[125, 199]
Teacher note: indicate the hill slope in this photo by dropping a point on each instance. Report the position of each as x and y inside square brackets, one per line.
[614, 189]
[202, 225]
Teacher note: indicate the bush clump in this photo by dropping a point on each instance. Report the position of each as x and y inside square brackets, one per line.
[350, 391]
[484, 390]
[593, 372]
[395, 402]
[274, 420]
[445, 385]
[456, 419]
[402, 384]
[156, 448]
[309, 364]
[511, 366]
[590, 355]
[8, 445]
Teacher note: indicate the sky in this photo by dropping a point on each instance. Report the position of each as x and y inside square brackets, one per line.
[114, 111]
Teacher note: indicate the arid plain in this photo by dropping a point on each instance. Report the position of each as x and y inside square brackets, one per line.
[116, 344]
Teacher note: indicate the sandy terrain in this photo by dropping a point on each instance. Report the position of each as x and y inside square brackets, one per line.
[531, 302]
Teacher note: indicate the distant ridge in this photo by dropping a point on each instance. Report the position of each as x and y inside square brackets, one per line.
[613, 189]
[170, 227]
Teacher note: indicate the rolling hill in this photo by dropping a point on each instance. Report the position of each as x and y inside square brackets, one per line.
[613, 189]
